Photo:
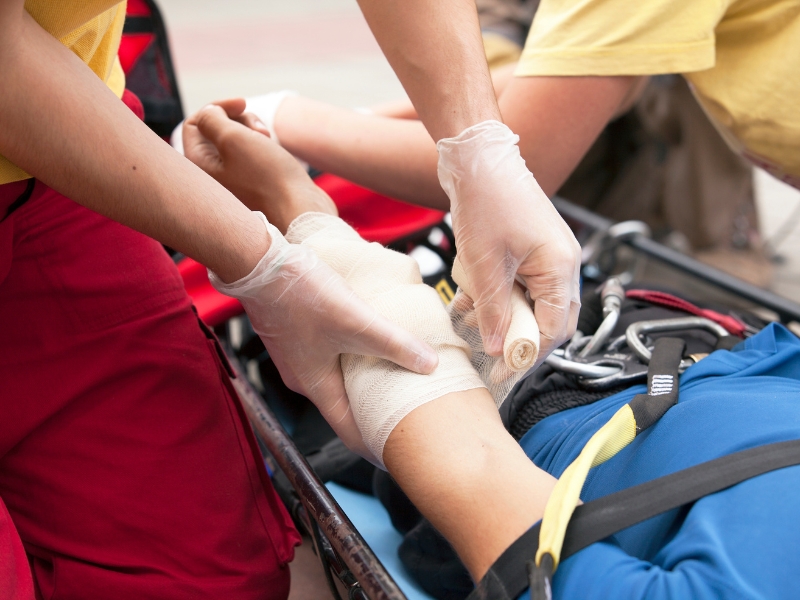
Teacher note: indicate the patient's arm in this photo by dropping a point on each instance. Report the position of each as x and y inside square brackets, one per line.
[557, 119]
[467, 475]
[452, 455]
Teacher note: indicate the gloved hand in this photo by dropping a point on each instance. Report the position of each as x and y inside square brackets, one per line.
[507, 228]
[307, 316]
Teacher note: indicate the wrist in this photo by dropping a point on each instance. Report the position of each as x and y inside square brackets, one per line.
[255, 242]
[266, 108]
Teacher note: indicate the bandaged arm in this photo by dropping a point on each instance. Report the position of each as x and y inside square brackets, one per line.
[439, 435]
[380, 392]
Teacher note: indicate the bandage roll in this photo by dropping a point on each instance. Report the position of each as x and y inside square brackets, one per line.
[521, 344]
[380, 392]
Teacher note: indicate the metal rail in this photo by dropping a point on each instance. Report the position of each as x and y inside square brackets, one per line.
[317, 500]
[786, 309]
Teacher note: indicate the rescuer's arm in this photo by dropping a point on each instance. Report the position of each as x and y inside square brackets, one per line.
[437, 52]
[452, 456]
[61, 124]
[504, 224]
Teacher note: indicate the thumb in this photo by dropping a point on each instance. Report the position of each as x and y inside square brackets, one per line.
[384, 339]
[494, 314]
[214, 125]
[489, 284]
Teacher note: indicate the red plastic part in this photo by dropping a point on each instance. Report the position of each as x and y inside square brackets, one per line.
[137, 8]
[377, 218]
[132, 47]
[733, 325]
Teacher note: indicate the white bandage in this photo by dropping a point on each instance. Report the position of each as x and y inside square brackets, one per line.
[265, 107]
[380, 392]
[520, 347]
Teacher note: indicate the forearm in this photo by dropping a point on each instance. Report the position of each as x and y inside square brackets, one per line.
[60, 123]
[403, 109]
[391, 156]
[437, 52]
[467, 475]
[559, 118]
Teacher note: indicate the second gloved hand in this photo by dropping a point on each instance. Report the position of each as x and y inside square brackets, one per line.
[506, 228]
[307, 315]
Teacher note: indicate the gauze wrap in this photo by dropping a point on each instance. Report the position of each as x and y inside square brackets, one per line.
[520, 347]
[380, 392]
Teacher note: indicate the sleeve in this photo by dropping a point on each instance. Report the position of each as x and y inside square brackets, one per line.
[619, 37]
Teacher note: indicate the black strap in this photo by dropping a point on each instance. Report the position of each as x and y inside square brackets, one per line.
[598, 519]
[138, 24]
[646, 410]
[23, 198]
[662, 383]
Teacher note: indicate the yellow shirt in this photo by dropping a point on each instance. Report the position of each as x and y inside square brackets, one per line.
[741, 57]
[92, 30]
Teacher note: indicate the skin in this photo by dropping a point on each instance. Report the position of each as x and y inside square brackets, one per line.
[397, 157]
[60, 123]
[444, 70]
[437, 52]
[142, 182]
[452, 456]
[467, 475]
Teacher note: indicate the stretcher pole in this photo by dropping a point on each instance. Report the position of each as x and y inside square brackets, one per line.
[351, 548]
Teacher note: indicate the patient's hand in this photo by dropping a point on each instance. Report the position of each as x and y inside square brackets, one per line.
[234, 148]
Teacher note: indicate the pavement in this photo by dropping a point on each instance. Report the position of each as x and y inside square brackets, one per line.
[324, 50]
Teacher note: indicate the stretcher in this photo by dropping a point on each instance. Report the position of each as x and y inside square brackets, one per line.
[361, 554]
[350, 532]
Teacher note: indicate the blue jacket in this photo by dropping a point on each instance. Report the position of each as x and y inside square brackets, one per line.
[743, 542]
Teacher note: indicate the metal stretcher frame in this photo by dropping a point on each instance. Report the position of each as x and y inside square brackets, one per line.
[359, 569]
[340, 546]
[786, 309]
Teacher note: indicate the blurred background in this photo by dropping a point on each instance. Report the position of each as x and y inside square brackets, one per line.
[324, 50]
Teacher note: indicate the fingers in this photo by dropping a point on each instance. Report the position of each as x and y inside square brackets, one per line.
[233, 107]
[494, 319]
[557, 316]
[253, 122]
[492, 296]
[213, 124]
[330, 397]
[384, 339]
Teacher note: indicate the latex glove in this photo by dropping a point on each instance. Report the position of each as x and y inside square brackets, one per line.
[307, 315]
[506, 228]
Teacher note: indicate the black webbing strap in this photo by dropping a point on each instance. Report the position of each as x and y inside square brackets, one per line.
[662, 383]
[641, 412]
[598, 519]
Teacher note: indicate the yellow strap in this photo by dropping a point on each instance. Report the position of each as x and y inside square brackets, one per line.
[605, 443]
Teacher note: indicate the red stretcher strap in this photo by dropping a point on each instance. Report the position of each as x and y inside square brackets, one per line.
[733, 325]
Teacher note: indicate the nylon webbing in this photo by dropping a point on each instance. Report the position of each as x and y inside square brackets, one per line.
[630, 420]
[596, 520]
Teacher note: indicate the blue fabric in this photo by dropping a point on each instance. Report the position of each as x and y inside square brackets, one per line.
[739, 543]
